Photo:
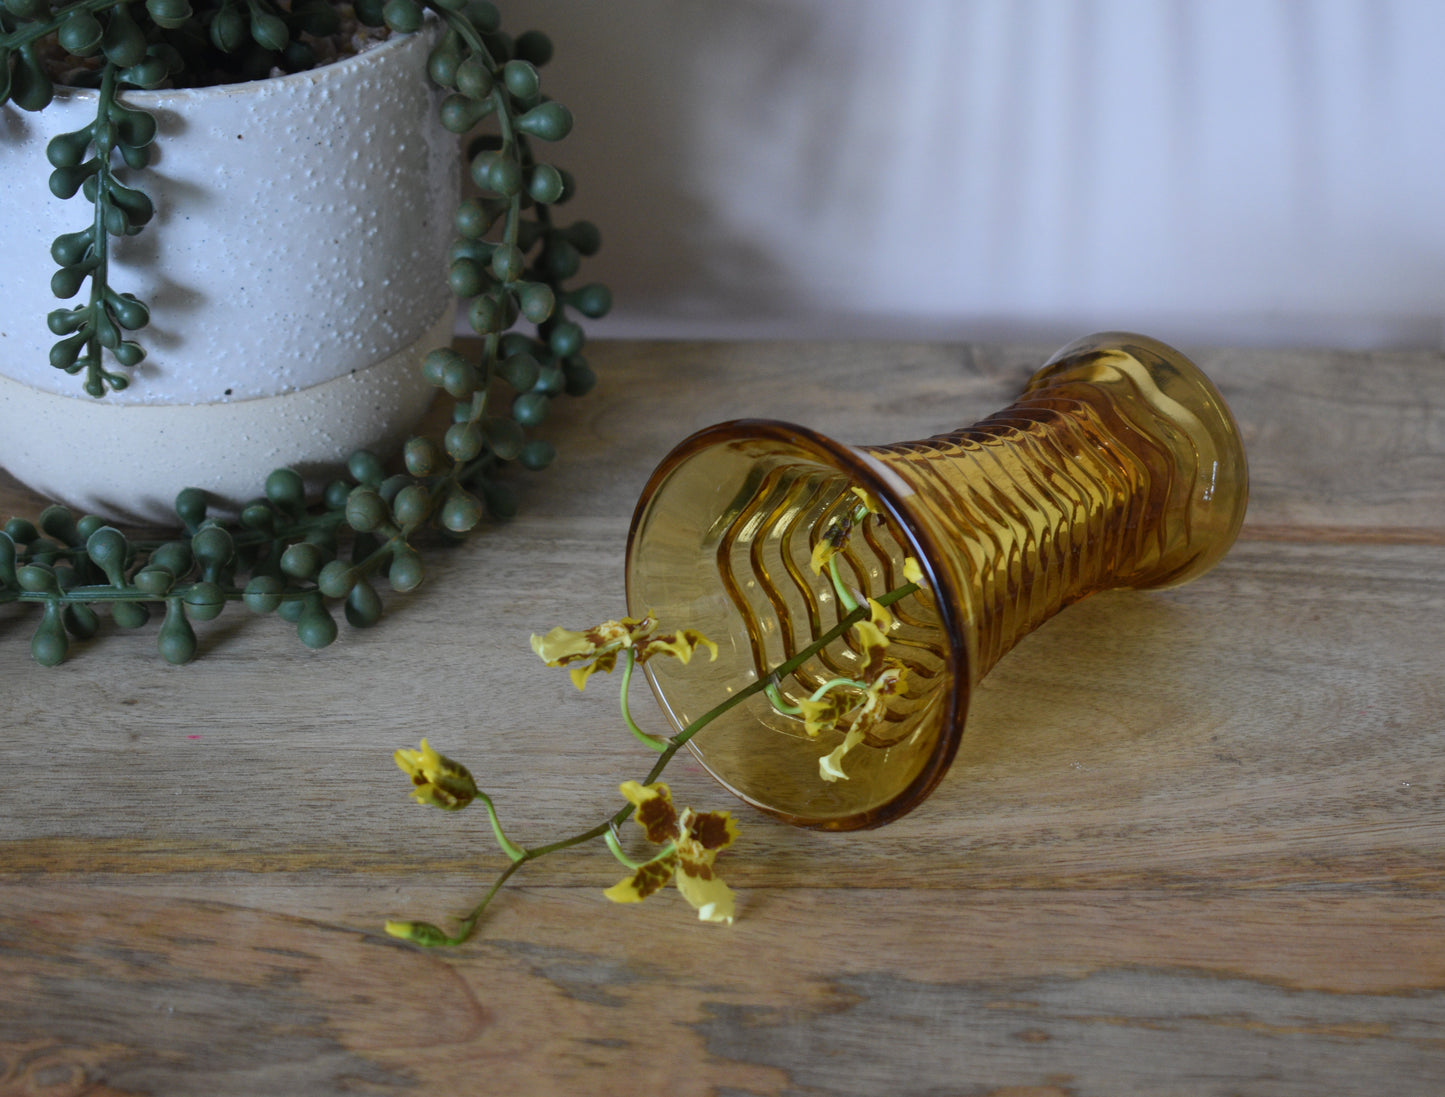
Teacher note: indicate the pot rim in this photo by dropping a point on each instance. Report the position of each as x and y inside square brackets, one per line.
[162, 97]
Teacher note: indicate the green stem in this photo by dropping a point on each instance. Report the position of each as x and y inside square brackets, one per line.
[652, 742]
[510, 848]
[845, 596]
[677, 742]
[778, 701]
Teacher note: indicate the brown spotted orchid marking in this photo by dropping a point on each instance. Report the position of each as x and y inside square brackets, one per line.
[597, 649]
[437, 781]
[690, 842]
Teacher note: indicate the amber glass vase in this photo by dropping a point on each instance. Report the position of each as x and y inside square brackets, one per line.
[1118, 466]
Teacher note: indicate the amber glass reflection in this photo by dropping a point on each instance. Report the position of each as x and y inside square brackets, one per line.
[1119, 466]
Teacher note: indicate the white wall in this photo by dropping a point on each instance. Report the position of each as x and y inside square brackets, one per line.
[1225, 171]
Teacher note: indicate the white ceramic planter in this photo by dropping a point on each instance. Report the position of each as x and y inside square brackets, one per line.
[295, 270]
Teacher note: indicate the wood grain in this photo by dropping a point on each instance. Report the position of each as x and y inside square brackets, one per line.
[1194, 841]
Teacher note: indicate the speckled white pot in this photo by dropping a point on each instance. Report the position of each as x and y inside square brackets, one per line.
[295, 270]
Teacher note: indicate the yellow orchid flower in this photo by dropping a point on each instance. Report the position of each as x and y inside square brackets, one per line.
[869, 503]
[830, 766]
[596, 649]
[824, 713]
[865, 713]
[691, 841]
[439, 782]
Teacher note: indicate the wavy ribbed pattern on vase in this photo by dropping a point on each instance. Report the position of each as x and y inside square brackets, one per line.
[1041, 504]
[763, 551]
[1119, 466]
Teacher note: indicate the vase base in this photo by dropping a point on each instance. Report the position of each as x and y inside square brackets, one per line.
[127, 462]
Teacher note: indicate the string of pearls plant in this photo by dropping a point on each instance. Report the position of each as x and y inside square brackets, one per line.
[511, 263]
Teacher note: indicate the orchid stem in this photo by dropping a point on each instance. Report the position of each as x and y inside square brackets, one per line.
[606, 830]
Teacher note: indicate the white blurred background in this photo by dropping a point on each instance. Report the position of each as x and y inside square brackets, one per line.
[1257, 172]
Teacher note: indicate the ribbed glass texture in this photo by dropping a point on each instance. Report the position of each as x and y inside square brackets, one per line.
[1119, 466]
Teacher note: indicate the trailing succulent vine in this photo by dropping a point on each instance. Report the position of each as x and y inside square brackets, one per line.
[510, 262]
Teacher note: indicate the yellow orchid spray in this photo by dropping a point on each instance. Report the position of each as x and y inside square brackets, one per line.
[688, 841]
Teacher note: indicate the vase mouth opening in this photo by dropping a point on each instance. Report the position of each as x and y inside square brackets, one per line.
[721, 541]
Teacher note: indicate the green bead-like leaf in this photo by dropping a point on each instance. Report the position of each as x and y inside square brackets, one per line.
[522, 80]
[460, 378]
[402, 16]
[67, 150]
[204, 601]
[549, 121]
[363, 605]
[123, 42]
[466, 278]
[153, 581]
[80, 621]
[135, 204]
[107, 549]
[369, 12]
[459, 113]
[530, 408]
[538, 454]
[268, 31]
[473, 78]
[64, 353]
[72, 247]
[536, 301]
[129, 614]
[263, 593]
[66, 282]
[150, 73]
[170, 14]
[175, 556]
[545, 184]
[213, 548]
[406, 572]
[129, 313]
[412, 506]
[287, 490]
[504, 437]
[475, 218]
[593, 300]
[64, 182]
[336, 579]
[565, 339]
[461, 511]
[228, 30]
[520, 371]
[302, 560]
[177, 640]
[128, 354]
[463, 441]
[366, 467]
[422, 456]
[315, 626]
[50, 645]
[30, 87]
[365, 509]
[80, 33]
[133, 127]
[58, 521]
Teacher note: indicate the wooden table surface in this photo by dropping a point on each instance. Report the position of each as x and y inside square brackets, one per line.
[1194, 842]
